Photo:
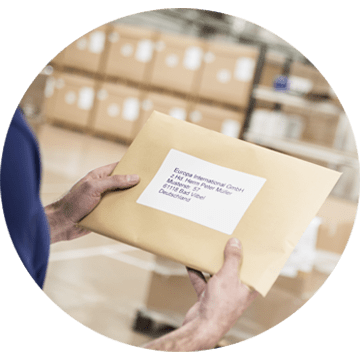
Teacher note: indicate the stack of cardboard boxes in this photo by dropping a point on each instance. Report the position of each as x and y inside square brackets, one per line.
[109, 81]
[205, 82]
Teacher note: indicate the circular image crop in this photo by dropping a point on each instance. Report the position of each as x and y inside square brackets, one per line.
[148, 144]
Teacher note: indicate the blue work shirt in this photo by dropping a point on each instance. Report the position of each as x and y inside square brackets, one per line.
[20, 185]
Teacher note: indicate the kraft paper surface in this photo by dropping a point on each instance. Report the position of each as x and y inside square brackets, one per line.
[288, 193]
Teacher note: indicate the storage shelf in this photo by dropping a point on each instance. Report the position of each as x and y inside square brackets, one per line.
[266, 94]
[305, 149]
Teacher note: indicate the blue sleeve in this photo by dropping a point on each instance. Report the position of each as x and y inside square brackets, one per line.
[23, 211]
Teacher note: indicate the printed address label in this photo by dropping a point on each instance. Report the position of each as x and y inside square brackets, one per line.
[202, 192]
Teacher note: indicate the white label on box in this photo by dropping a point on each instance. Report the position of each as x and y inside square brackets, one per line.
[192, 58]
[70, 97]
[304, 254]
[178, 113]
[172, 60]
[86, 98]
[244, 69]
[231, 128]
[113, 110]
[49, 87]
[299, 84]
[195, 116]
[127, 50]
[223, 76]
[130, 109]
[81, 44]
[144, 51]
[97, 41]
[202, 192]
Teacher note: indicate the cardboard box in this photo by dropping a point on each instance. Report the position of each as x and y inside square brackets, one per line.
[338, 216]
[69, 98]
[318, 127]
[306, 79]
[266, 122]
[167, 104]
[131, 52]
[222, 120]
[272, 69]
[117, 110]
[228, 73]
[321, 128]
[86, 53]
[178, 62]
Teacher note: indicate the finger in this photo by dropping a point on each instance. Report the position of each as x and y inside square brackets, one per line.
[104, 170]
[232, 257]
[115, 182]
[197, 280]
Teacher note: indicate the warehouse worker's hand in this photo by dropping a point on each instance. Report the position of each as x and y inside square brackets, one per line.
[224, 298]
[220, 303]
[64, 214]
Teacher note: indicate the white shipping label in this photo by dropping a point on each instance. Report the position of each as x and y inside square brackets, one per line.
[231, 128]
[97, 42]
[244, 69]
[299, 84]
[131, 109]
[86, 98]
[195, 116]
[178, 113]
[127, 50]
[144, 51]
[70, 97]
[172, 60]
[81, 44]
[113, 110]
[202, 192]
[304, 254]
[49, 87]
[192, 58]
[223, 76]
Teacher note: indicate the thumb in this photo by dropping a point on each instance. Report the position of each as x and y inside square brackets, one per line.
[232, 257]
[115, 182]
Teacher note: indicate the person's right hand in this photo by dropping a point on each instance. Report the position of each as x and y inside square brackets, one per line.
[222, 299]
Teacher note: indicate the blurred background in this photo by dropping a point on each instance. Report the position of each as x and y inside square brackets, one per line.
[211, 69]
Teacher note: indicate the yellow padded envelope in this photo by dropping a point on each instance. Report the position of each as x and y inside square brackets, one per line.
[198, 188]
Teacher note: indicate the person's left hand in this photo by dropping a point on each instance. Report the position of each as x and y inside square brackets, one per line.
[64, 214]
[222, 299]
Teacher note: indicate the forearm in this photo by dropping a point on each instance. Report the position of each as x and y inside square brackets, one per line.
[194, 335]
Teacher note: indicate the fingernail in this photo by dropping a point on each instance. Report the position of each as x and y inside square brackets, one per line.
[235, 242]
[132, 178]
